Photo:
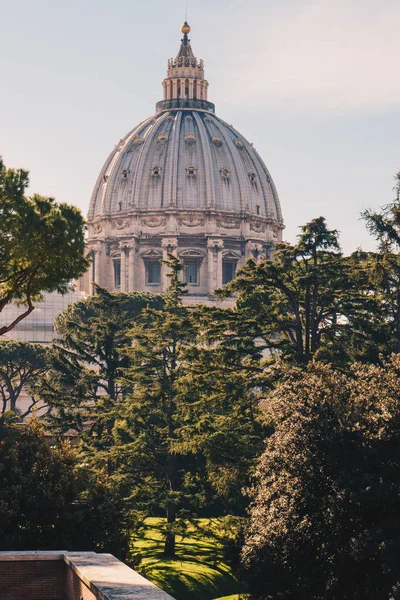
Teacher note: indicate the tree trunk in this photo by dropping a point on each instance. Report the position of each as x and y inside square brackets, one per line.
[397, 331]
[169, 546]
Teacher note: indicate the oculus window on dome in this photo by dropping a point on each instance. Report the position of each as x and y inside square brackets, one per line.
[252, 177]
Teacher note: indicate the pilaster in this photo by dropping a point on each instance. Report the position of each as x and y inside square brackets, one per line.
[169, 245]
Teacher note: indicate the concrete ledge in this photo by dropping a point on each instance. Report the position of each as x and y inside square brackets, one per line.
[110, 579]
[102, 576]
[14, 555]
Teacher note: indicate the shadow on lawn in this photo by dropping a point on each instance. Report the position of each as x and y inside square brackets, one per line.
[197, 573]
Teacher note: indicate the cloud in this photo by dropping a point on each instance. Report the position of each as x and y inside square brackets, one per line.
[327, 54]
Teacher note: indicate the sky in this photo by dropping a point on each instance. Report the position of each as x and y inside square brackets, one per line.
[313, 84]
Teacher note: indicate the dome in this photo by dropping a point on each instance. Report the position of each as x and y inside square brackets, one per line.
[183, 182]
[188, 160]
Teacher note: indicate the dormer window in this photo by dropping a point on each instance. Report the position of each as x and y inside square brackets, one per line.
[258, 209]
[191, 171]
[156, 171]
[125, 173]
[252, 177]
[225, 173]
[162, 138]
[217, 141]
[190, 138]
[105, 177]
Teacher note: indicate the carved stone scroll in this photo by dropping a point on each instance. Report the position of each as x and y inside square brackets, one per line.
[257, 227]
[120, 224]
[191, 222]
[228, 223]
[153, 222]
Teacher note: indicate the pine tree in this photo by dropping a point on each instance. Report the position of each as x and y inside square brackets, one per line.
[306, 301]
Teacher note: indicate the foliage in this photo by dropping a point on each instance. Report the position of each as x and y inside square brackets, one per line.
[159, 474]
[184, 441]
[308, 300]
[221, 416]
[138, 378]
[21, 364]
[199, 571]
[385, 264]
[82, 384]
[41, 244]
[48, 500]
[324, 521]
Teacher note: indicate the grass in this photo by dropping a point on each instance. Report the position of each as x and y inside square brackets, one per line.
[198, 572]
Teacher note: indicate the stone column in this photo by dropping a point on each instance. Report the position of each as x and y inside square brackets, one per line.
[124, 269]
[97, 251]
[214, 260]
[219, 263]
[134, 261]
[255, 251]
[191, 83]
[169, 246]
[174, 88]
[131, 265]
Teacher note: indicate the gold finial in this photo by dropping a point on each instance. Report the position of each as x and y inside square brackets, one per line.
[185, 28]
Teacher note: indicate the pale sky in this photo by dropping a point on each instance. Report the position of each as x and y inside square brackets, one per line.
[313, 84]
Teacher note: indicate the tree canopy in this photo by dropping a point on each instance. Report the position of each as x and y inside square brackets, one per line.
[21, 364]
[41, 244]
[49, 499]
[324, 521]
[308, 299]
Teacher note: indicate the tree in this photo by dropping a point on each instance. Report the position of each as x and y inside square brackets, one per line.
[139, 379]
[307, 300]
[324, 519]
[49, 500]
[41, 244]
[82, 383]
[147, 433]
[385, 264]
[21, 364]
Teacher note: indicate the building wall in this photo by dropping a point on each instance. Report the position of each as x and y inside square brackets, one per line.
[76, 589]
[33, 580]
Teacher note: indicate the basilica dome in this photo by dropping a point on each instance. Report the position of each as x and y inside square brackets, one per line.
[182, 181]
[188, 160]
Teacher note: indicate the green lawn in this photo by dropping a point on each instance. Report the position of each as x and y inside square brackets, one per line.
[198, 572]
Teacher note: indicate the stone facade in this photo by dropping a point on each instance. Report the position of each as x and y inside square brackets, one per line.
[182, 182]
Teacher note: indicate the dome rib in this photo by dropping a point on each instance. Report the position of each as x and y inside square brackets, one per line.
[209, 181]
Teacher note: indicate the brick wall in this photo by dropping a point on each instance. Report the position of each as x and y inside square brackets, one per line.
[76, 589]
[33, 580]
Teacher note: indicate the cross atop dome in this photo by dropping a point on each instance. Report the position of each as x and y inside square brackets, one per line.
[185, 85]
